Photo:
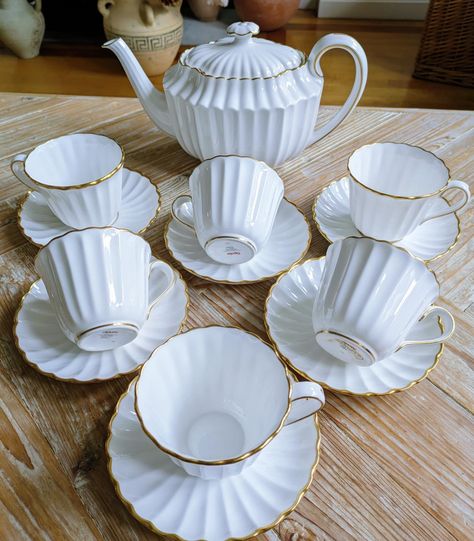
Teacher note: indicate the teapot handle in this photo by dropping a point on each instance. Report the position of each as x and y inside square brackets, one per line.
[349, 44]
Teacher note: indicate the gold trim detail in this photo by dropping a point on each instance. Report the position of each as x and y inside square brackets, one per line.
[131, 508]
[349, 339]
[95, 380]
[241, 282]
[226, 461]
[151, 221]
[304, 375]
[74, 186]
[303, 62]
[237, 238]
[316, 221]
[113, 324]
[392, 196]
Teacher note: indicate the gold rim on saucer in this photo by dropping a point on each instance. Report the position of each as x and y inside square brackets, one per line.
[323, 234]
[130, 507]
[304, 375]
[151, 221]
[95, 380]
[229, 282]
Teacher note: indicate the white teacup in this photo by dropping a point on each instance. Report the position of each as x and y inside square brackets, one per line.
[232, 207]
[393, 187]
[371, 295]
[212, 398]
[79, 175]
[102, 284]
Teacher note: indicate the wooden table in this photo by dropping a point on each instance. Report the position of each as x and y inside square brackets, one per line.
[397, 467]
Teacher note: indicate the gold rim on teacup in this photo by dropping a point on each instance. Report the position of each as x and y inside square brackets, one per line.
[74, 186]
[231, 460]
[393, 196]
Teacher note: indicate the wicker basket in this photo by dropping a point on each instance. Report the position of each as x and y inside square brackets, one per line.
[447, 47]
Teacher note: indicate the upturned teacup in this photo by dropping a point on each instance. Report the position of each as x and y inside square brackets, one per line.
[394, 187]
[371, 295]
[232, 207]
[213, 398]
[102, 284]
[79, 175]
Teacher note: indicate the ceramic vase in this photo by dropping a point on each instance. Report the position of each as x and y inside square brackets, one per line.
[151, 28]
[207, 10]
[268, 14]
[21, 27]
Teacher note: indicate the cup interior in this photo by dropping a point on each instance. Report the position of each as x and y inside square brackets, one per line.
[212, 394]
[73, 159]
[398, 169]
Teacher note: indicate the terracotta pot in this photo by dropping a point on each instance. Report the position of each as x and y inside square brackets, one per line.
[268, 14]
[151, 28]
[207, 10]
[21, 27]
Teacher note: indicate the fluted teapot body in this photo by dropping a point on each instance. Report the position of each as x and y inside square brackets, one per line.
[244, 95]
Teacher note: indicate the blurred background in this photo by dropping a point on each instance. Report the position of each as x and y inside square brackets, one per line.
[420, 52]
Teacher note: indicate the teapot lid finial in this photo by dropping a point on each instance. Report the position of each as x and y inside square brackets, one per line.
[243, 29]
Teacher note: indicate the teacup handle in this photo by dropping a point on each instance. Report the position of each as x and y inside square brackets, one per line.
[161, 279]
[448, 324]
[18, 169]
[182, 210]
[453, 185]
[307, 398]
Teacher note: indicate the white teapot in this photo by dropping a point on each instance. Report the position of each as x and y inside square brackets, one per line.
[244, 95]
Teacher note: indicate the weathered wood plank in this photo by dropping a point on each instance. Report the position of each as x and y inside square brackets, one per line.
[37, 501]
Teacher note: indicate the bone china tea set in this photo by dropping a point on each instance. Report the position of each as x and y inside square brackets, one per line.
[215, 438]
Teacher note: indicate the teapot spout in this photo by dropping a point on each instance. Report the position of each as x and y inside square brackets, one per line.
[152, 100]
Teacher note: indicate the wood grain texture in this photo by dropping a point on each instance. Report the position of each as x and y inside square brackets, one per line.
[393, 468]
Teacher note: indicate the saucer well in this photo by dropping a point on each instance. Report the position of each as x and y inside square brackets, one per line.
[47, 350]
[331, 212]
[288, 243]
[139, 208]
[288, 320]
[164, 498]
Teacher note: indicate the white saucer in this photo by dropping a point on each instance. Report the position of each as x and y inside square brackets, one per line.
[139, 208]
[168, 501]
[288, 320]
[288, 243]
[46, 349]
[331, 212]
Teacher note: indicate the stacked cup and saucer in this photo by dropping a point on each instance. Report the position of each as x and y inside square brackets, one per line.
[394, 192]
[79, 180]
[103, 302]
[361, 319]
[214, 439]
[236, 227]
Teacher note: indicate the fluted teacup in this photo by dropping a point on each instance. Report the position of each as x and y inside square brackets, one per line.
[102, 283]
[371, 295]
[232, 207]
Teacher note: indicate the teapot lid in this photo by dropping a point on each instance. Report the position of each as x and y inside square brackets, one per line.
[241, 56]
